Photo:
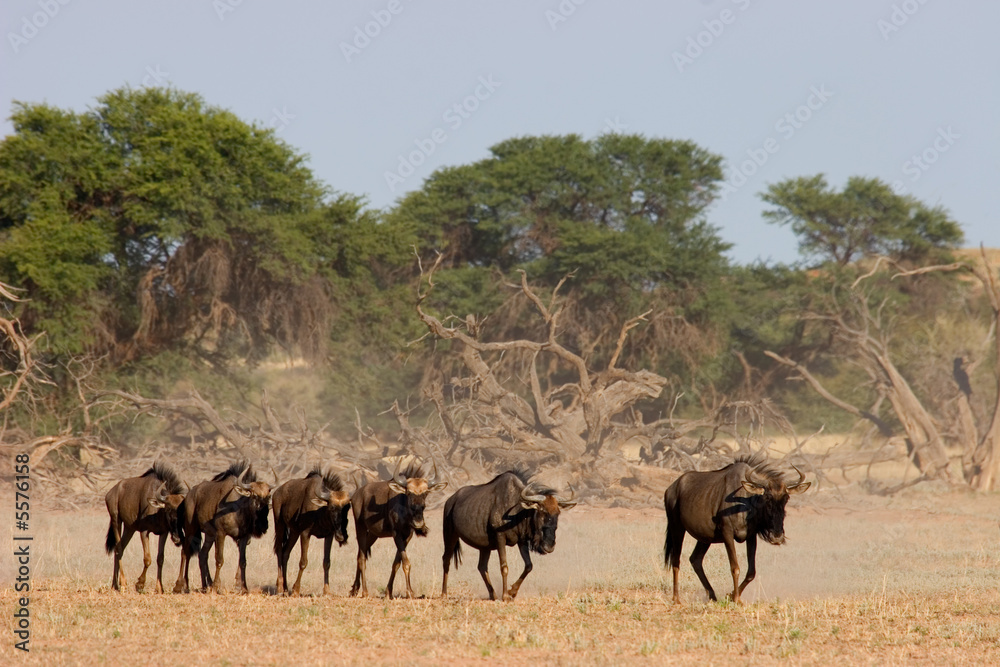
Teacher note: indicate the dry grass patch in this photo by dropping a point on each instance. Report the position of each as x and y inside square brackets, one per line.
[618, 626]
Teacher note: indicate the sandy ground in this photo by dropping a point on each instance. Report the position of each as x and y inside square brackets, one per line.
[854, 564]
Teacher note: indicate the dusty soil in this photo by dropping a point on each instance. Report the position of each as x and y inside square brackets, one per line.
[863, 579]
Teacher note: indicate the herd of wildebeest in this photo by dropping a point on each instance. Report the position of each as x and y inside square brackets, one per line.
[737, 503]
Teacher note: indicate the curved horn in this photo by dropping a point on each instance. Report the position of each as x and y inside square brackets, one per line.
[161, 492]
[396, 476]
[802, 478]
[572, 495]
[528, 497]
[241, 480]
[275, 473]
[434, 475]
[749, 477]
[188, 488]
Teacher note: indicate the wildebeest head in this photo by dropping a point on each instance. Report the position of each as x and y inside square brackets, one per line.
[258, 495]
[332, 496]
[168, 504]
[167, 497]
[415, 486]
[767, 486]
[546, 507]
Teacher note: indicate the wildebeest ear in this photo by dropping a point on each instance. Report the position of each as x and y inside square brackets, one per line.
[750, 487]
[243, 492]
[319, 502]
[566, 504]
[396, 486]
[799, 488]
[157, 503]
[529, 505]
[440, 486]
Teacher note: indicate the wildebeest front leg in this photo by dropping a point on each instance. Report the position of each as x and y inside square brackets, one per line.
[697, 556]
[241, 571]
[327, 543]
[502, 557]
[484, 571]
[159, 562]
[220, 559]
[403, 560]
[526, 557]
[147, 560]
[303, 559]
[734, 566]
[751, 561]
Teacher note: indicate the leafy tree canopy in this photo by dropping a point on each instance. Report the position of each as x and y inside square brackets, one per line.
[618, 208]
[155, 220]
[866, 218]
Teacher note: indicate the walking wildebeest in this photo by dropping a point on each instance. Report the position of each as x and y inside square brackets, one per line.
[232, 503]
[391, 509]
[506, 511]
[147, 504]
[315, 506]
[737, 503]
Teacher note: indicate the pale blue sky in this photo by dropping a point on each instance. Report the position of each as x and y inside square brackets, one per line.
[879, 95]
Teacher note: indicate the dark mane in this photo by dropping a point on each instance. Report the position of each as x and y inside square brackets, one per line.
[165, 473]
[331, 480]
[414, 469]
[523, 474]
[761, 466]
[235, 470]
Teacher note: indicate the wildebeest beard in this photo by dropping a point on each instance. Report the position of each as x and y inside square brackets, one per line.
[770, 518]
[260, 520]
[422, 531]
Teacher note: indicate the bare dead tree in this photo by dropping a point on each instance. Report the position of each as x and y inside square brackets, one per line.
[981, 445]
[19, 366]
[860, 327]
[570, 420]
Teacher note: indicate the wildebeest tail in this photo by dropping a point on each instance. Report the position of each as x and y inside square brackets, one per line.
[666, 546]
[457, 557]
[196, 542]
[280, 537]
[110, 542]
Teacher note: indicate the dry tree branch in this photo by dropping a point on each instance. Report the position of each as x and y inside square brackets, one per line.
[628, 326]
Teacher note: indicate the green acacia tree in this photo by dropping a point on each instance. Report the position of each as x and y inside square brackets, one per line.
[864, 219]
[154, 221]
[624, 214]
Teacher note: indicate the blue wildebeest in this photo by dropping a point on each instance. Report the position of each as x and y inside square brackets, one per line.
[233, 503]
[395, 509]
[147, 504]
[737, 503]
[507, 511]
[315, 506]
